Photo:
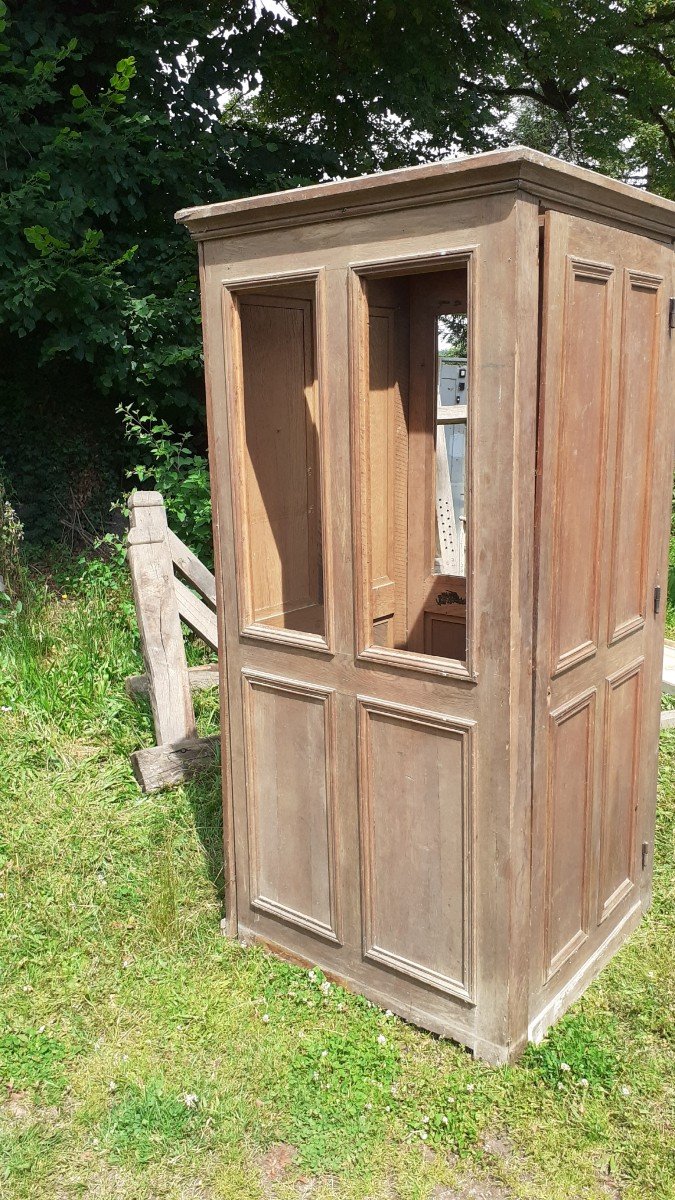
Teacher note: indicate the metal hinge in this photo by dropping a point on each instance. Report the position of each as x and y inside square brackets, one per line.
[671, 313]
[657, 600]
[645, 854]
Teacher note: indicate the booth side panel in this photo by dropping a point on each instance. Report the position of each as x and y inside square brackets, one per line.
[599, 642]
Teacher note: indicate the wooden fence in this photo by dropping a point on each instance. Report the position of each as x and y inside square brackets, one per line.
[161, 566]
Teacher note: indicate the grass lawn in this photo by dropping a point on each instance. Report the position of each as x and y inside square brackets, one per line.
[143, 1055]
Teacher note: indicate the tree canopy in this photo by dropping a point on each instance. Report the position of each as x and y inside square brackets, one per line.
[112, 117]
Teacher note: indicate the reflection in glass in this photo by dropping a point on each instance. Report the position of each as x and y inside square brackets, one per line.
[451, 425]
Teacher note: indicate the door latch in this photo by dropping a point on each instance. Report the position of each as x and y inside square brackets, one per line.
[645, 854]
[657, 599]
[671, 313]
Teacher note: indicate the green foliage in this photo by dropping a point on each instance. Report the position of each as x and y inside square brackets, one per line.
[405, 81]
[340, 1092]
[577, 1054]
[147, 1119]
[114, 117]
[32, 1058]
[11, 537]
[110, 121]
[151, 1056]
[171, 465]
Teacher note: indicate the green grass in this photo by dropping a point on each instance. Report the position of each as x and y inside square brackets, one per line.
[144, 1055]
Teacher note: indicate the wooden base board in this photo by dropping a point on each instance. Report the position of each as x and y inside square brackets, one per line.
[482, 1049]
[158, 767]
[574, 987]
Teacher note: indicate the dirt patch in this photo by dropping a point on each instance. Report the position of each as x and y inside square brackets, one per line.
[275, 1162]
[498, 1145]
[483, 1190]
[17, 1106]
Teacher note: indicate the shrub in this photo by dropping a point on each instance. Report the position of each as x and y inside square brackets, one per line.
[171, 465]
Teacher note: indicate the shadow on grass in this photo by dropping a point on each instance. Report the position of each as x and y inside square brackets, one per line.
[204, 797]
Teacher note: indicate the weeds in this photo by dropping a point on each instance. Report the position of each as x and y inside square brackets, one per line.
[142, 1054]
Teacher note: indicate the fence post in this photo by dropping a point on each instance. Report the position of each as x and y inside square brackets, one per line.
[152, 579]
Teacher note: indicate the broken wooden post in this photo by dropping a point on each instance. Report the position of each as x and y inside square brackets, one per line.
[161, 600]
[162, 645]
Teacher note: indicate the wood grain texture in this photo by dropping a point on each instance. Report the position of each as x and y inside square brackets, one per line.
[200, 619]
[604, 411]
[158, 767]
[201, 678]
[158, 619]
[642, 319]
[528, 840]
[291, 812]
[423, 762]
[568, 845]
[192, 569]
[620, 801]
[519, 168]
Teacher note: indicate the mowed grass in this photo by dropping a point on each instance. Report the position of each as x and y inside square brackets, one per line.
[143, 1055]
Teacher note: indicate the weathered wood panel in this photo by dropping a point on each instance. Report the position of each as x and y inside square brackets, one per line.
[289, 746]
[622, 745]
[416, 817]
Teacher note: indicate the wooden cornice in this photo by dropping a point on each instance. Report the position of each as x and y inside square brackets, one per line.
[555, 183]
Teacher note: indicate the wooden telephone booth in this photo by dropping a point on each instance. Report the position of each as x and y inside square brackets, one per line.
[439, 607]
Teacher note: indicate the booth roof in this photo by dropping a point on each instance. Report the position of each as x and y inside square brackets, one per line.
[555, 183]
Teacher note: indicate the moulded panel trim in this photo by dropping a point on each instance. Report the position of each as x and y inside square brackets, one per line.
[564, 659]
[263, 680]
[463, 988]
[231, 289]
[554, 961]
[607, 904]
[640, 281]
[359, 271]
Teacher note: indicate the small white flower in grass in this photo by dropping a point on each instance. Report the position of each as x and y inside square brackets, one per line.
[325, 987]
[451, 1099]
[26, 988]
[315, 1076]
[6, 708]
[126, 962]
[388, 1013]
[560, 1087]
[324, 1054]
[425, 1120]
[311, 975]
[387, 1108]
[265, 1017]
[424, 1135]
[190, 1100]
[381, 1039]
[444, 1120]
[469, 1087]
[583, 1083]
[625, 1090]
[341, 1007]
[368, 1107]
[565, 1067]
[42, 1029]
[112, 1086]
